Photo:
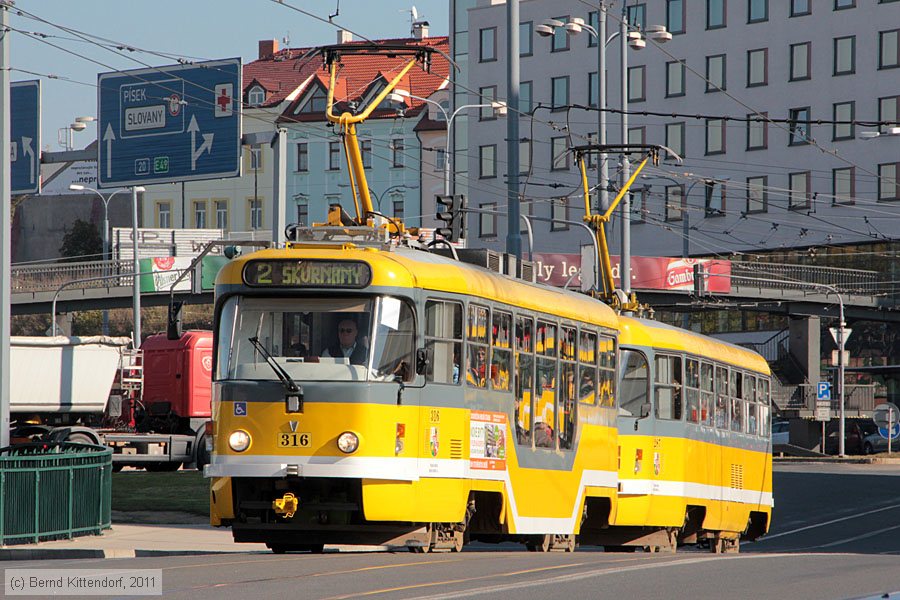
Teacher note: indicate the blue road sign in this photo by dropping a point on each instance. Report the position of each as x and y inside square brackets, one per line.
[895, 432]
[25, 135]
[173, 123]
[823, 390]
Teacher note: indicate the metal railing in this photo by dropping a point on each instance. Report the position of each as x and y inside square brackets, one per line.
[772, 349]
[780, 276]
[53, 491]
[48, 277]
[860, 399]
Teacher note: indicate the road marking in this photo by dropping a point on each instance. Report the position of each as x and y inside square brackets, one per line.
[857, 537]
[831, 522]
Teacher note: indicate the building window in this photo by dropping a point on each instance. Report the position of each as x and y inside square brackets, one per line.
[256, 96]
[674, 79]
[593, 92]
[636, 136]
[221, 214]
[843, 185]
[715, 200]
[525, 95]
[715, 136]
[398, 207]
[800, 65]
[487, 50]
[888, 187]
[559, 152]
[757, 11]
[844, 4]
[757, 67]
[639, 205]
[487, 220]
[559, 92]
[200, 214]
[593, 21]
[845, 55]
[637, 79]
[526, 38]
[302, 157]
[800, 7]
[440, 159]
[365, 152]
[559, 212]
[843, 128]
[888, 111]
[637, 16]
[590, 159]
[303, 212]
[315, 102]
[715, 14]
[487, 161]
[675, 16]
[164, 215]
[757, 131]
[559, 41]
[799, 126]
[675, 137]
[798, 190]
[675, 202]
[888, 49]
[334, 156]
[256, 213]
[524, 157]
[715, 73]
[757, 200]
[487, 96]
[397, 152]
[256, 158]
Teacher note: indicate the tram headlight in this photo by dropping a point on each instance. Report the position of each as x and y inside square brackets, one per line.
[239, 440]
[348, 442]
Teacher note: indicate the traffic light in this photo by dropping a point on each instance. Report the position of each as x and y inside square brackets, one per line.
[450, 212]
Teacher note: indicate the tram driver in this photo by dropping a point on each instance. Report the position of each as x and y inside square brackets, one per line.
[348, 345]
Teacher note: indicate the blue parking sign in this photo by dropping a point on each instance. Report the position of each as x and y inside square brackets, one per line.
[823, 390]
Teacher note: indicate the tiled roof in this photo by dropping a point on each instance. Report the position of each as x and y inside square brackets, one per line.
[288, 69]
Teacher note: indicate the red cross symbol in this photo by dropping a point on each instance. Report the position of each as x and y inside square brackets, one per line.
[223, 100]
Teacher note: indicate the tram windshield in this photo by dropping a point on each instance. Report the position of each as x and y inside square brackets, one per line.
[317, 339]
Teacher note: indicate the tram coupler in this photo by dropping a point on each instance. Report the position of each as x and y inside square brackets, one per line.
[286, 506]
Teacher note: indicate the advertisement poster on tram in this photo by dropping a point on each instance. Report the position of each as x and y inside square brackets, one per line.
[487, 441]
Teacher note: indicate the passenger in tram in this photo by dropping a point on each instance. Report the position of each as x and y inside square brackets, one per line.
[543, 433]
[347, 345]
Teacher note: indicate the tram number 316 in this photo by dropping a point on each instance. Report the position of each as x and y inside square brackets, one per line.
[294, 440]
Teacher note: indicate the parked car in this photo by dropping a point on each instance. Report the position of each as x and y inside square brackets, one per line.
[781, 432]
[855, 432]
[874, 444]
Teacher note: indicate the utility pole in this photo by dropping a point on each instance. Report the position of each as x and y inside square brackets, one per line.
[513, 229]
[5, 223]
[625, 260]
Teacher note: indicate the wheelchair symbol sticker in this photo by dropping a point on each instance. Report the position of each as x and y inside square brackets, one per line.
[240, 409]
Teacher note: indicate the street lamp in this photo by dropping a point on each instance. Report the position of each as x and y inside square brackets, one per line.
[106, 253]
[399, 96]
[64, 134]
[870, 135]
[635, 39]
[135, 266]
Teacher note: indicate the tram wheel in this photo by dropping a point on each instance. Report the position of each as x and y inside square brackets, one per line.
[540, 543]
[459, 540]
[569, 545]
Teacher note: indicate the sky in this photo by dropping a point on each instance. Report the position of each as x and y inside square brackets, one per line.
[191, 29]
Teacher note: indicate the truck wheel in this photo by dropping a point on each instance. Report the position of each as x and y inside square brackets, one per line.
[203, 457]
[80, 438]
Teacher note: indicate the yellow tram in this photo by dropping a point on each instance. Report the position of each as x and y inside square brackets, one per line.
[367, 391]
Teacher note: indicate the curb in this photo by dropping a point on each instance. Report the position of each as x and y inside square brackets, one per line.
[8, 554]
[834, 460]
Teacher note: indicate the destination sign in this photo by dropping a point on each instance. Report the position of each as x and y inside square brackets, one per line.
[307, 273]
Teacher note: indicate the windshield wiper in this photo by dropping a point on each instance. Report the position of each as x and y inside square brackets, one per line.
[293, 398]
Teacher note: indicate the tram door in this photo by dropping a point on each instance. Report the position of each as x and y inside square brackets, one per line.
[666, 424]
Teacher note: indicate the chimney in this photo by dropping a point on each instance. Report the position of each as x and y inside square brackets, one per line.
[267, 48]
[420, 29]
[344, 37]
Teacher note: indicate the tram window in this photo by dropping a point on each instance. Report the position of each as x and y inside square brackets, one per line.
[752, 422]
[749, 387]
[634, 382]
[443, 341]
[722, 397]
[762, 390]
[545, 403]
[737, 414]
[524, 378]
[395, 338]
[567, 344]
[692, 389]
[546, 339]
[587, 380]
[476, 360]
[706, 393]
[669, 380]
[735, 380]
[501, 345]
[606, 380]
[567, 404]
